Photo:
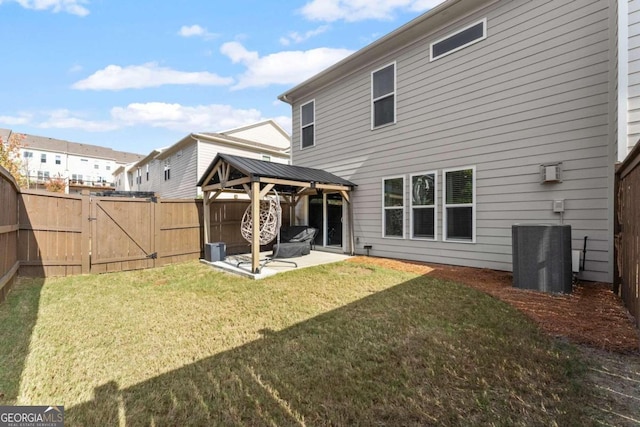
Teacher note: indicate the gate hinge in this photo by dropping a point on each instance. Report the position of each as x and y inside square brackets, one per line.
[153, 199]
[153, 255]
[92, 219]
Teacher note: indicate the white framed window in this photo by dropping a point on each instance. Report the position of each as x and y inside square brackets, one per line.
[383, 96]
[459, 204]
[167, 170]
[424, 205]
[147, 171]
[308, 124]
[28, 154]
[43, 158]
[458, 40]
[266, 157]
[58, 160]
[393, 206]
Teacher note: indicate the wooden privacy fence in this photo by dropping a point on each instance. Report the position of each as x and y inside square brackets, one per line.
[627, 228]
[63, 235]
[8, 231]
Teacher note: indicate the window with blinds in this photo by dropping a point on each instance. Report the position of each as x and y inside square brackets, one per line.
[459, 204]
[424, 206]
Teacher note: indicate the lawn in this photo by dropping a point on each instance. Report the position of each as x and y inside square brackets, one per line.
[339, 344]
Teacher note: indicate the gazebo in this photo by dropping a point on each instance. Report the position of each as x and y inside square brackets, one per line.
[236, 174]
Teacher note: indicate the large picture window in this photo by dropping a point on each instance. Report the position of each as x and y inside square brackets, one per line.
[393, 207]
[383, 96]
[459, 204]
[424, 206]
[307, 124]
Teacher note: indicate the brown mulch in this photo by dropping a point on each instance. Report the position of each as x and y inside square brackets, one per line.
[591, 315]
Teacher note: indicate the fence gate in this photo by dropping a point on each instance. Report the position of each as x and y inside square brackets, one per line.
[123, 234]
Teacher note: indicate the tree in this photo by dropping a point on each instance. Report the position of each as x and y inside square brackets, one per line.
[10, 156]
[56, 184]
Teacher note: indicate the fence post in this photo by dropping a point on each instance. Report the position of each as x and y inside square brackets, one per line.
[155, 227]
[617, 279]
[85, 240]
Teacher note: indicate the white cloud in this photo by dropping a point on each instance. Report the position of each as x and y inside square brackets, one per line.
[360, 10]
[195, 31]
[295, 37]
[20, 119]
[65, 119]
[286, 68]
[73, 7]
[115, 77]
[200, 118]
[176, 117]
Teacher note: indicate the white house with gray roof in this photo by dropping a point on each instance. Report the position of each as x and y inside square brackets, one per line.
[473, 117]
[82, 166]
[173, 172]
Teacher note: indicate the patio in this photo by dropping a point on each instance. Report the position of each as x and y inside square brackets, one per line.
[230, 263]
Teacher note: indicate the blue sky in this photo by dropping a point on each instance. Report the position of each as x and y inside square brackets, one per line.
[135, 75]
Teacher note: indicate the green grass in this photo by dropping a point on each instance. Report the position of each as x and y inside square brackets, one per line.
[339, 344]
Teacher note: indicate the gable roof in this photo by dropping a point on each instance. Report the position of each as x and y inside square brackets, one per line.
[256, 132]
[256, 169]
[61, 146]
[419, 28]
[226, 140]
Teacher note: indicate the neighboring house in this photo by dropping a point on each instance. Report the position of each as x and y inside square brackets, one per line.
[475, 116]
[82, 166]
[173, 172]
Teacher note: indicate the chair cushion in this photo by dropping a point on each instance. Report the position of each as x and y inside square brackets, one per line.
[305, 235]
[291, 250]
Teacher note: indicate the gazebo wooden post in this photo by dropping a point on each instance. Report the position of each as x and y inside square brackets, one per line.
[206, 212]
[255, 235]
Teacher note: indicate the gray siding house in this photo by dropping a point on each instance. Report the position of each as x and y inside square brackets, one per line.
[172, 172]
[473, 117]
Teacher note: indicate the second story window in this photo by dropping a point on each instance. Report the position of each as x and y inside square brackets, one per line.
[27, 154]
[383, 96]
[43, 158]
[307, 124]
[167, 170]
[147, 172]
[58, 160]
[459, 40]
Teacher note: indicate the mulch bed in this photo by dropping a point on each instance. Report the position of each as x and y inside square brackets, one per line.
[590, 315]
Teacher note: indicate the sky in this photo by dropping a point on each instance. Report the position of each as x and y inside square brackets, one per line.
[135, 75]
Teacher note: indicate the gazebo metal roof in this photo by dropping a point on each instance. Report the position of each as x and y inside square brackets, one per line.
[228, 173]
[255, 170]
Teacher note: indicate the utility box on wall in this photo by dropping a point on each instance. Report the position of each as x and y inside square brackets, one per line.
[542, 257]
[216, 251]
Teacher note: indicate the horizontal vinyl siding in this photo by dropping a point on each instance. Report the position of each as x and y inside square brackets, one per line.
[208, 152]
[182, 184]
[535, 91]
[634, 73]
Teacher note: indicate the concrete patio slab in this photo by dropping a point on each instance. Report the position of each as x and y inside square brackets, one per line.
[230, 263]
